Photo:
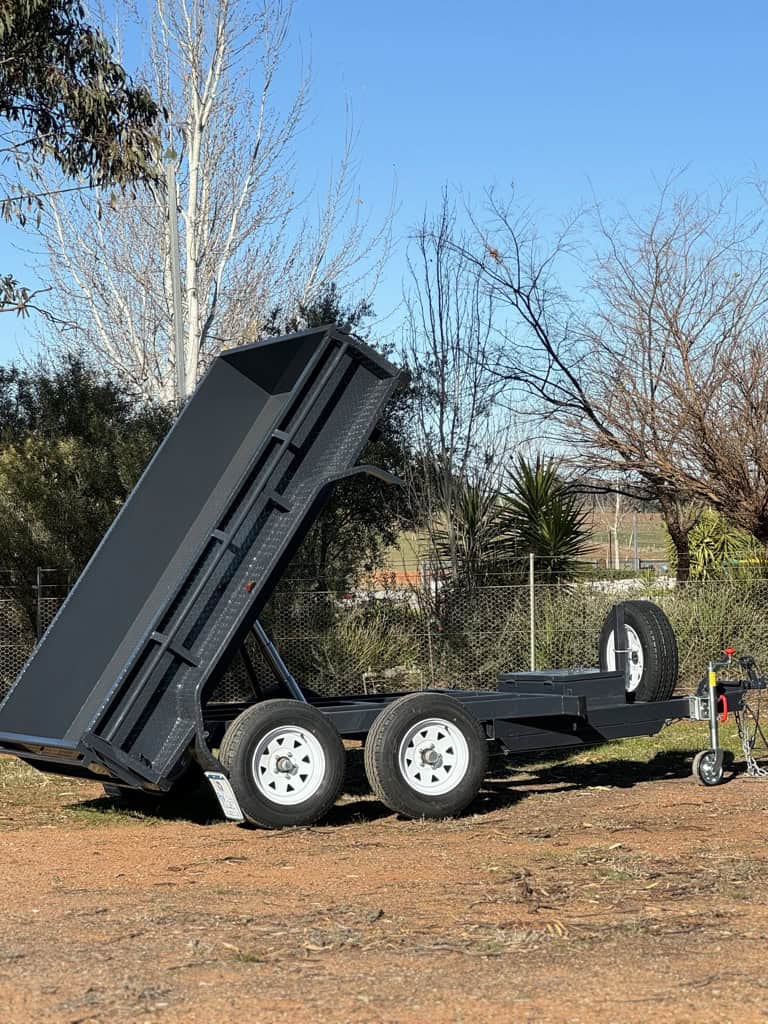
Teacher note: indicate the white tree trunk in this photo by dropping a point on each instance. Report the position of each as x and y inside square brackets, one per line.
[617, 516]
[247, 246]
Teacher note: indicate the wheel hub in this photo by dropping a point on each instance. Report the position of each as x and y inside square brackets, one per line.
[635, 658]
[286, 764]
[429, 756]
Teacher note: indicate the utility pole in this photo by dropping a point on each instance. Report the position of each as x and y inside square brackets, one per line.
[178, 309]
[634, 543]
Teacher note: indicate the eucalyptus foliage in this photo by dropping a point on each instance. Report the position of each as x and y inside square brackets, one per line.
[72, 445]
[64, 97]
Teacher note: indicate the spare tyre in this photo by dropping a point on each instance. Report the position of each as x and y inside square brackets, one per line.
[652, 647]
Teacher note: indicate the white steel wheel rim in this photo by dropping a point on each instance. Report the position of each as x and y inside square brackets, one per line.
[636, 659]
[433, 756]
[288, 765]
[708, 767]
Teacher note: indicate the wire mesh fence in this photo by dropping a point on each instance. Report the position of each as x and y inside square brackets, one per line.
[17, 638]
[375, 639]
[398, 640]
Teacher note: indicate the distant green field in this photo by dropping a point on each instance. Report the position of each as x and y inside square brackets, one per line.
[651, 538]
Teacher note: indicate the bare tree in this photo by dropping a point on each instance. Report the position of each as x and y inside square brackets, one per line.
[458, 430]
[249, 241]
[664, 378]
[675, 358]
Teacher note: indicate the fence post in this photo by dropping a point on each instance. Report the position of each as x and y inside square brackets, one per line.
[38, 604]
[532, 611]
[432, 683]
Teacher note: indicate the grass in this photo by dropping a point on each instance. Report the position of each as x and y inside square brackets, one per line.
[103, 812]
[29, 798]
[621, 763]
[678, 738]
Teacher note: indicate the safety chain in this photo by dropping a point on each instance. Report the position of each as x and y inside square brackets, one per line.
[748, 724]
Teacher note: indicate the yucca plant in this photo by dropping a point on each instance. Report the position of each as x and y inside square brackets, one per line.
[545, 517]
[470, 537]
[718, 548]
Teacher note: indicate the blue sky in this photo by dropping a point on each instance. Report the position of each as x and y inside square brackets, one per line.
[563, 99]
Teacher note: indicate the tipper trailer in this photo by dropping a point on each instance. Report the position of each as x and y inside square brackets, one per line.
[121, 688]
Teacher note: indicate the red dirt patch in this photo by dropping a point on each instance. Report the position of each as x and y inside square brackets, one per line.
[567, 899]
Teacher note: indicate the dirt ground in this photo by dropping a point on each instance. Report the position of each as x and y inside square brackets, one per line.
[614, 891]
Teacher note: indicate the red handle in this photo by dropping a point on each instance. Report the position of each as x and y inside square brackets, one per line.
[722, 704]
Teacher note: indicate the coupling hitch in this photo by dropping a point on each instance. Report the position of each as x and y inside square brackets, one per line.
[710, 704]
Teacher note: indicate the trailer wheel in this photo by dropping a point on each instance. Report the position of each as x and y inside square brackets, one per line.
[653, 664]
[708, 768]
[285, 762]
[426, 756]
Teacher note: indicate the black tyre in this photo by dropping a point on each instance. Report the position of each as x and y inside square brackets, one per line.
[708, 768]
[653, 664]
[285, 762]
[426, 756]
